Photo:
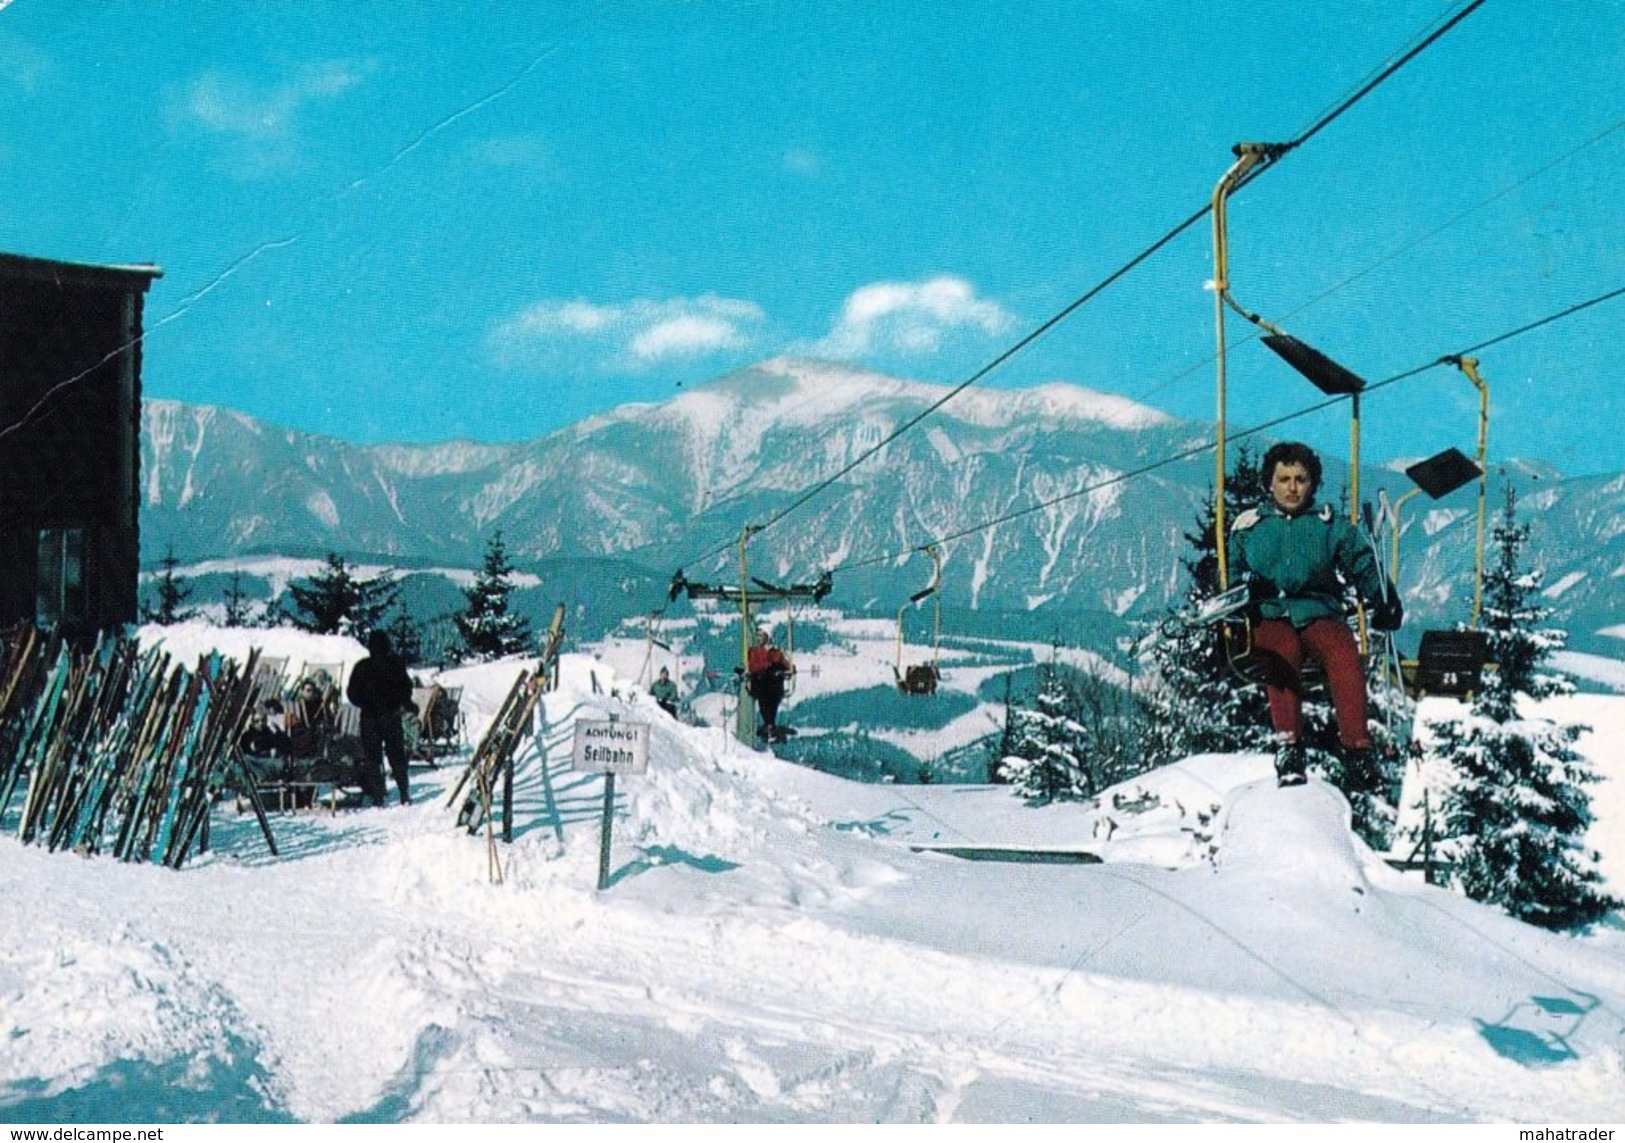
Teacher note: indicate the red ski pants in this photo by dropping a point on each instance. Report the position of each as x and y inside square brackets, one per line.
[1331, 644]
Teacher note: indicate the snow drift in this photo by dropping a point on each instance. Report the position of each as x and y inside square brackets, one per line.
[776, 944]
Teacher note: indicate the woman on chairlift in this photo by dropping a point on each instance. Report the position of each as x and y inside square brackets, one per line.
[1295, 551]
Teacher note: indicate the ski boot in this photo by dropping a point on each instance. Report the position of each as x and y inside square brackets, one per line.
[1290, 765]
[1363, 772]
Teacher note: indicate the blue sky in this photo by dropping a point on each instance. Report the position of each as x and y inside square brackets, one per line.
[419, 222]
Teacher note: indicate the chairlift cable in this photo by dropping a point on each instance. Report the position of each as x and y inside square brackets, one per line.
[1274, 154]
[184, 306]
[1547, 320]
[1397, 251]
[1208, 446]
[1425, 42]
[1556, 161]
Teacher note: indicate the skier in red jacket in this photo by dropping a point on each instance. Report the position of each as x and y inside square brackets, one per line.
[767, 669]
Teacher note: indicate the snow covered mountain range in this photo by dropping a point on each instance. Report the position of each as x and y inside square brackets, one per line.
[1084, 527]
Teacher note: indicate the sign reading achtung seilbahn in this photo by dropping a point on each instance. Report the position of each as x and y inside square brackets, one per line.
[611, 747]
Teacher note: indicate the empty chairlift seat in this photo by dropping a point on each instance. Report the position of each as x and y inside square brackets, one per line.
[1450, 663]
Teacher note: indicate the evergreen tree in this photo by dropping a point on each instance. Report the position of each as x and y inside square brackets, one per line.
[405, 634]
[236, 602]
[1049, 758]
[1518, 811]
[1118, 722]
[171, 591]
[1005, 743]
[1197, 702]
[274, 613]
[489, 630]
[334, 602]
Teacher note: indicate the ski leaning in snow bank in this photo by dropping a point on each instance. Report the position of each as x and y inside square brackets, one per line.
[121, 749]
[493, 758]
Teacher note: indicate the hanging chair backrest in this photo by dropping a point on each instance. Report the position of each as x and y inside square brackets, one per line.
[1451, 662]
[919, 679]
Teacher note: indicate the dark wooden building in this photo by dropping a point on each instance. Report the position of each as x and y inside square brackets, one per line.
[70, 442]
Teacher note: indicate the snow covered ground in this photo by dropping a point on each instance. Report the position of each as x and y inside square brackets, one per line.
[776, 944]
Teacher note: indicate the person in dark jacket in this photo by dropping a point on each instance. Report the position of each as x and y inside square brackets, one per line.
[664, 691]
[310, 721]
[264, 747]
[260, 739]
[382, 690]
[1300, 555]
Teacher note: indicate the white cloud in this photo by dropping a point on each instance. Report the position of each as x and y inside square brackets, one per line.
[524, 154]
[259, 119]
[231, 105]
[802, 162]
[546, 319]
[910, 318]
[688, 335]
[640, 332]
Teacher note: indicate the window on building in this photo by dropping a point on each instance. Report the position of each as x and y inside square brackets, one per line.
[60, 601]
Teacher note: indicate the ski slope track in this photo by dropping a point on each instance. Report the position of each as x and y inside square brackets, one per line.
[776, 944]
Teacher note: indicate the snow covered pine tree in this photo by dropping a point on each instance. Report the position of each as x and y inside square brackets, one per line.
[1049, 749]
[1516, 816]
[334, 602]
[1198, 704]
[489, 630]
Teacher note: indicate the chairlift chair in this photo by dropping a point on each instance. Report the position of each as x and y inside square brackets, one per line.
[1325, 374]
[1448, 662]
[922, 678]
[747, 593]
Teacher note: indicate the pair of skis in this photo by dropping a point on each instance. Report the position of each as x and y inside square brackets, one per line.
[115, 748]
[493, 758]
[1225, 607]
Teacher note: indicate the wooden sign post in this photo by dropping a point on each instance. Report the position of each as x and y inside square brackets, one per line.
[610, 748]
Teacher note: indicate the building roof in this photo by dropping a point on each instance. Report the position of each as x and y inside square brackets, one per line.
[20, 267]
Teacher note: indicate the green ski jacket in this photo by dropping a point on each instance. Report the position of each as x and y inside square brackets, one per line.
[1300, 557]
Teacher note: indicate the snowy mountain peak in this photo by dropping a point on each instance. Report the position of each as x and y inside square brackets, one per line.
[1064, 401]
[808, 389]
[643, 481]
